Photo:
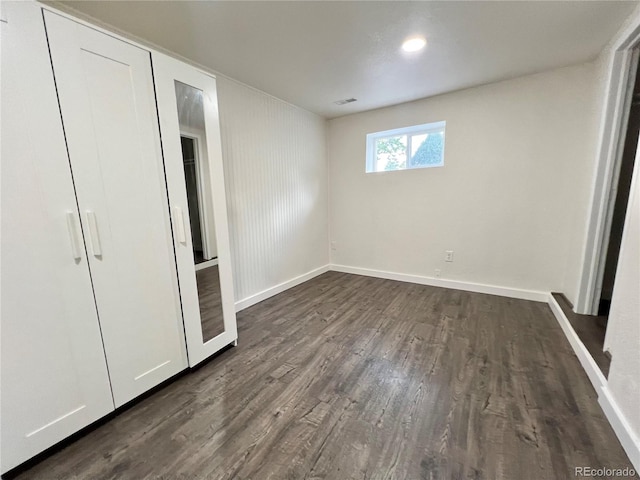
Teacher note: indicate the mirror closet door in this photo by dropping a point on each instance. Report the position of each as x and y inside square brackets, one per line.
[188, 109]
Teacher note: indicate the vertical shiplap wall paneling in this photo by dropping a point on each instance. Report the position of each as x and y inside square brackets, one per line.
[276, 176]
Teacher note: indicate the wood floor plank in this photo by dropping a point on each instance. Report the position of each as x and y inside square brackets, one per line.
[351, 377]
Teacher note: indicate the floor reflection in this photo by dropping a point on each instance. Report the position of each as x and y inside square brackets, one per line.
[210, 302]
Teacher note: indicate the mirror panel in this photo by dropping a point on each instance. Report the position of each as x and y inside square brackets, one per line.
[197, 175]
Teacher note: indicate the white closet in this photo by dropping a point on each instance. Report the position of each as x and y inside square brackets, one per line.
[108, 109]
[99, 274]
[53, 370]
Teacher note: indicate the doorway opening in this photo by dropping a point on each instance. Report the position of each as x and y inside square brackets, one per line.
[591, 328]
[203, 254]
[620, 191]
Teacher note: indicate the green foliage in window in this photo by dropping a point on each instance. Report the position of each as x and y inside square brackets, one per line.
[394, 150]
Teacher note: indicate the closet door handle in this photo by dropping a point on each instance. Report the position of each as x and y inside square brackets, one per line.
[178, 220]
[73, 236]
[93, 234]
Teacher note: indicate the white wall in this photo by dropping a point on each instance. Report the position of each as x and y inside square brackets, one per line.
[623, 329]
[509, 201]
[276, 179]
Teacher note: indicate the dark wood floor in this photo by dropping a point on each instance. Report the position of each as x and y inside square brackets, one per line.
[210, 301]
[350, 377]
[590, 330]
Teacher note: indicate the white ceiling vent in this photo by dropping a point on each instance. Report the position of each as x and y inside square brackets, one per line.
[345, 101]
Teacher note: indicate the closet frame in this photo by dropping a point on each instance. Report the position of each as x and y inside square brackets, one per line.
[80, 245]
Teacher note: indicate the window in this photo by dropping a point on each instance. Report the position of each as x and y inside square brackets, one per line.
[420, 146]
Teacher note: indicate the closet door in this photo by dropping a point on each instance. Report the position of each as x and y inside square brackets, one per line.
[188, 108]
[54, 376]
[108, 109]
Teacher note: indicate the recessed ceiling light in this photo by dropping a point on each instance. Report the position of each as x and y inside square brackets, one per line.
[414, 44]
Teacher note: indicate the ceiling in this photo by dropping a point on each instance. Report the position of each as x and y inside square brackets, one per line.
[312, 53]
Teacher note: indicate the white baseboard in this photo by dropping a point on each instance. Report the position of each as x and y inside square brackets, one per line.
[618, 422]
[630, 442]
[586, 360]
[281, 287]
[534, 295]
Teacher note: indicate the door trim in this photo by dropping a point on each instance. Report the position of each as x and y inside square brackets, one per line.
[613, 124]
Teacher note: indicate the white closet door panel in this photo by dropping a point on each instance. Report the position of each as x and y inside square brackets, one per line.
[168, 71]
[108, 109]
[54, 377]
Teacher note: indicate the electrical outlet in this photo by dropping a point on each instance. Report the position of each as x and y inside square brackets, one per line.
[448, 256]
[438, 272]
[334, 245]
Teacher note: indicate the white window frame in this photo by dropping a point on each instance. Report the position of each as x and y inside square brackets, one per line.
[434, 127]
